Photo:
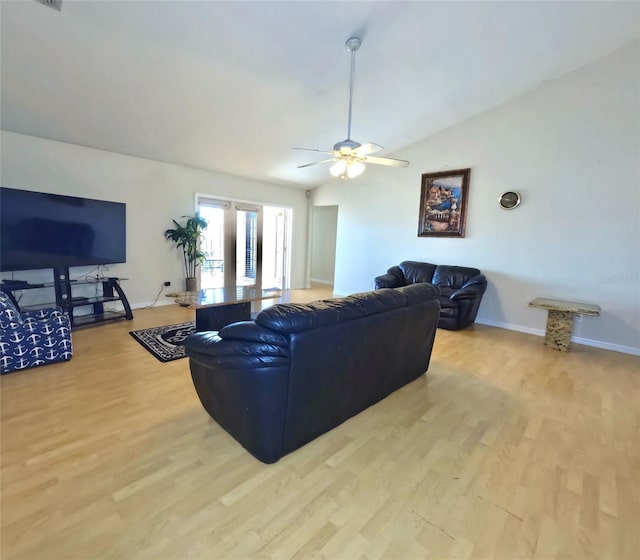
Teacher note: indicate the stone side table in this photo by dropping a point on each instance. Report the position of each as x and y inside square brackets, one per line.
[560, 320]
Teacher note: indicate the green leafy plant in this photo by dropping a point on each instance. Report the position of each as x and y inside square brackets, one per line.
[187, 238]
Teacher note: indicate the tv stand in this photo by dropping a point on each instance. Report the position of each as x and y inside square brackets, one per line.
[63, 285]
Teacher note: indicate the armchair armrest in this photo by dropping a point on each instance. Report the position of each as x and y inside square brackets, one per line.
[474, 287]
[392, 279]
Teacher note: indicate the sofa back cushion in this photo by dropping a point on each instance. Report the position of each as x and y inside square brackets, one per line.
[288, 318]
[415, 272]
[455, 277]
[379, 301]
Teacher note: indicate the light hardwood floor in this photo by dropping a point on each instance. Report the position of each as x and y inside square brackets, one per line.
[505, 449]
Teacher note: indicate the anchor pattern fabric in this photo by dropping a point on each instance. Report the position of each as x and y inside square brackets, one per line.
[32, 338]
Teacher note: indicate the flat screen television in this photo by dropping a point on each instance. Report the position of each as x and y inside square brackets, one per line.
[41, 230]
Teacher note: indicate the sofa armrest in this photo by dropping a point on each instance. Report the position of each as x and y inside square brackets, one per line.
[473, 288]
[250, 331]
[210, 344]
[209, 349]
[245, 393]
[392, 279]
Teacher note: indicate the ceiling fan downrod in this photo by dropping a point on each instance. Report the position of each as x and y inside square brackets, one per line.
[352, 44]
[349, 157]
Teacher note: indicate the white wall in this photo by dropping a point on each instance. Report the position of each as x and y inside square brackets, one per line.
[324, 224]
[571, 148]
[154, 192]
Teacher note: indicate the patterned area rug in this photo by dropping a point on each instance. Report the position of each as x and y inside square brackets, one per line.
[165, 343]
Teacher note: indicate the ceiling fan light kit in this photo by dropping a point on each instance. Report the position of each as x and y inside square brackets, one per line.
[347, 169]
[349, 156]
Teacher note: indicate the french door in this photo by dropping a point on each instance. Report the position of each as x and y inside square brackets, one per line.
[248, 248]
[244, 244]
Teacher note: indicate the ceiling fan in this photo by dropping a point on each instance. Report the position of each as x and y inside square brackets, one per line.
[350, 156]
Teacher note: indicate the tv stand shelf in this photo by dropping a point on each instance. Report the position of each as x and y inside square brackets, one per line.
[82, 320]
[111, 292]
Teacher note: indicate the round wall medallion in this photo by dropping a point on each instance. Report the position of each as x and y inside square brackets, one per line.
[509, 200]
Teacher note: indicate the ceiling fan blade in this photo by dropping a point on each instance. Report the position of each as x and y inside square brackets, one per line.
[386, 161]
[315, 163]
[313, 150]
[368, 148]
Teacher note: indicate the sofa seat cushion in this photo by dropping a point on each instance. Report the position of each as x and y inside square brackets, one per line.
[449, 310]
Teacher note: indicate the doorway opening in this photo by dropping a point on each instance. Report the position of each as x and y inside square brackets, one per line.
[245, 244]
[324, 226]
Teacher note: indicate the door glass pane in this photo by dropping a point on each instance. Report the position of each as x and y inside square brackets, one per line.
[212, 269]
[273, 240]
[246, 248]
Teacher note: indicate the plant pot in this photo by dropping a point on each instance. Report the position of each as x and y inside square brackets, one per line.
[191, 284]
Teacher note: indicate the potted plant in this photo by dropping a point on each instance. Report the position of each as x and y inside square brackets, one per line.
[187, 237]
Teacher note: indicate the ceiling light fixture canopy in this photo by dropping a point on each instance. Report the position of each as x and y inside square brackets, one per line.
[350, 156]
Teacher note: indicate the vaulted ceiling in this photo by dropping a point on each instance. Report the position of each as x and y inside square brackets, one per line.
[234, 86]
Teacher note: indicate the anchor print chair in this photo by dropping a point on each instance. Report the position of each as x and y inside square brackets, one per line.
[32, 338]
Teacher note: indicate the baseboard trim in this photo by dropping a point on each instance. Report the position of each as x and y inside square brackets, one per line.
[158, 303]
[578, 340]
[510, 327]
[318, 281]
[607, 346]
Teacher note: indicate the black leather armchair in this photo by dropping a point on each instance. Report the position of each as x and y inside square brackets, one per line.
[460, 287]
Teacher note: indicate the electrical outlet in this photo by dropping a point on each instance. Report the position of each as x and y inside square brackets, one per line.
[167, 283]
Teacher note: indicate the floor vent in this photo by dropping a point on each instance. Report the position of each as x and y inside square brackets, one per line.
[57, 4]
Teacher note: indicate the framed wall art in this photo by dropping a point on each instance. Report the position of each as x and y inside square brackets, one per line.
[444, 198]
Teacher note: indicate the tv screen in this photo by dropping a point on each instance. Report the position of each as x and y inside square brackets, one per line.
[40, 230]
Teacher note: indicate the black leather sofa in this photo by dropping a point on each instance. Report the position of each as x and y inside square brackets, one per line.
[460, 287]
[298, 371]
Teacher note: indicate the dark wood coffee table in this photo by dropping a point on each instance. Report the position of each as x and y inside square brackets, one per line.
[217, 307]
